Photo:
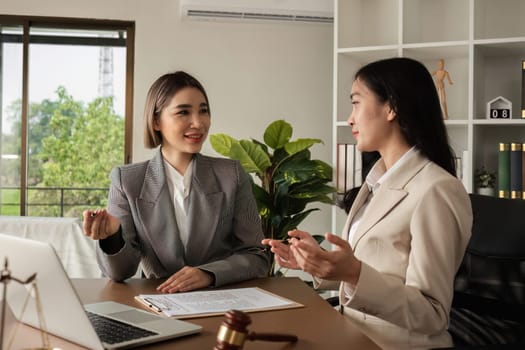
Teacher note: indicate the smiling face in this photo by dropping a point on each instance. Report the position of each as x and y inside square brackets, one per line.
[371, 119]
[184, 122]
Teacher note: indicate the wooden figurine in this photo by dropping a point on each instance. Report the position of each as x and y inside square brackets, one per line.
[441, 74]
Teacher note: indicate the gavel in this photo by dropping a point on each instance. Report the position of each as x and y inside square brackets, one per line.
[233, 332]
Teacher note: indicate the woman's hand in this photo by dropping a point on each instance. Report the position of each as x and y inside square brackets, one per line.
[99, 224]
[186, 279]
[339, 264]
[282, 253]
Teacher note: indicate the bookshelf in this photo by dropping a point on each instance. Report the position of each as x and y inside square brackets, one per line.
[482, 43]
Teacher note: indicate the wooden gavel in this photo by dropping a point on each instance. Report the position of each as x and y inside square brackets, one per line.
[233, 332]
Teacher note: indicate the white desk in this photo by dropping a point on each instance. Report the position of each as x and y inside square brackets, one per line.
[76, 251]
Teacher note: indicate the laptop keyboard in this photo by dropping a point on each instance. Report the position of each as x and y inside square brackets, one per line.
[113, 332]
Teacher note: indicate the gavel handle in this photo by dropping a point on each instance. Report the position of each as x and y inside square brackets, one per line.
[272, 337]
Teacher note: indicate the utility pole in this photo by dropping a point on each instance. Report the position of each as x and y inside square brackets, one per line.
[105, 72]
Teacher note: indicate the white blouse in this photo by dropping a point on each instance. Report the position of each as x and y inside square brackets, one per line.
[180, 186]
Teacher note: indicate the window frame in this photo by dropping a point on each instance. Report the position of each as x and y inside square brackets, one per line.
[27, 22]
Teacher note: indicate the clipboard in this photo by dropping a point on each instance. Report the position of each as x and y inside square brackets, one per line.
[215, 302]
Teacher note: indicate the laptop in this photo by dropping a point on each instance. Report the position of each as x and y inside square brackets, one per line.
[64, 314]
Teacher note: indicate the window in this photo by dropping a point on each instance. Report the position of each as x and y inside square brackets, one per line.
[66, 112]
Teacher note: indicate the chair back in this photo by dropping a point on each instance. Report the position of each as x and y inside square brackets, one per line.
[489, 288]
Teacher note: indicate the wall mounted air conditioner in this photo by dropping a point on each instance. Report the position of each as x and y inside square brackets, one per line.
[313, 11]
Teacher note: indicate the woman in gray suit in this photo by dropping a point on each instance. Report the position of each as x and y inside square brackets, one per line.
[409, 225]
[183, 216]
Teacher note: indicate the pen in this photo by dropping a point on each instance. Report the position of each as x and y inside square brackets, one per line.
[152, 305]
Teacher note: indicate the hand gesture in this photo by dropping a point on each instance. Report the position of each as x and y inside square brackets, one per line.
[282, 254]
[99, 224]
[339, 264]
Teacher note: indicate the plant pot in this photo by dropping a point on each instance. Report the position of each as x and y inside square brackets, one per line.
[486, 191]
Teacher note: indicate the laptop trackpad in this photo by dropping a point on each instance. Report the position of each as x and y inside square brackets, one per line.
[134, 316]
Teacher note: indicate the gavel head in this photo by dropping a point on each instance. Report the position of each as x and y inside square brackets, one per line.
[233, 331]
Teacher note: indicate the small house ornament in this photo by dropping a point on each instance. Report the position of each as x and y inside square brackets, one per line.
[499, 108]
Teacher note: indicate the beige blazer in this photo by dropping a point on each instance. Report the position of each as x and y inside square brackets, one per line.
[410, 241]
[223, 222]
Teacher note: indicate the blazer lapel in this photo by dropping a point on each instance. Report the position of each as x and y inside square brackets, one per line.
[389, 194]
[156, 212]
[204, 210]
[360, 199]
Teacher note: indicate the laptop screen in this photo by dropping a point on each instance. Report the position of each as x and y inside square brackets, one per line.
[62, 309]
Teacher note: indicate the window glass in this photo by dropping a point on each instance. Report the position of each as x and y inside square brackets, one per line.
[75, 117]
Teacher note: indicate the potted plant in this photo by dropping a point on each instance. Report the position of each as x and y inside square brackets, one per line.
[289, 178]
[485, 181]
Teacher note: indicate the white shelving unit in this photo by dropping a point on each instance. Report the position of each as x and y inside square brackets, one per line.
[482, 43]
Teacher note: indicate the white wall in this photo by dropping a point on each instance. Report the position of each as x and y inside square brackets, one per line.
[254, 73]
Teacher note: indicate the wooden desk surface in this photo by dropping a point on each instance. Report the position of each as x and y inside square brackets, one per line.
[318, 325]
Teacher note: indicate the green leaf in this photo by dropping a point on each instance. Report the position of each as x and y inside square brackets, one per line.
[296, 171]
[252, 156]
[263, 146]
[222, 144]
[263, 200]
[277, 134]
[300, 144]
[311, 192]
[293, 222]
[323, 169]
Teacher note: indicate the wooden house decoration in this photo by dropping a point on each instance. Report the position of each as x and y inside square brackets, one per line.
[499, 108]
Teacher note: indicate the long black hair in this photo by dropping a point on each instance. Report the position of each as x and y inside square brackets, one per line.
[407, 86]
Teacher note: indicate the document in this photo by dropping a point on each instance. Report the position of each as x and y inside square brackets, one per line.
[215, 302]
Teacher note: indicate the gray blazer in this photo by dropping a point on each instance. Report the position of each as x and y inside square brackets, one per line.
[223, 223]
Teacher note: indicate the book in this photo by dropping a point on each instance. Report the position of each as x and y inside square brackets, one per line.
[523, 171]
[523, 89]
[358, 168]
[459, 167]
[341, 168]
[348, 167]
[504, 170]
[350, 164]
[466, 178]
[215, 302]
[515, 170]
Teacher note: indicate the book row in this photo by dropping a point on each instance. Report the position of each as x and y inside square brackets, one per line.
[349, 167]
[353, 166]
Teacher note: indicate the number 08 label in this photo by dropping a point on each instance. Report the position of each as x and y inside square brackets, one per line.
[500, 113]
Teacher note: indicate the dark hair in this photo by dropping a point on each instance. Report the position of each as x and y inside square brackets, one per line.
[159, 95]
[407, 86]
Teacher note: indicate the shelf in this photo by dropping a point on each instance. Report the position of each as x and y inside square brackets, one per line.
[482, 43]
[359, 27]
[443, 20]
[498, 19]
[457, 122]
[448, 49]
[497, 72]
[500, 122]
[501, 47]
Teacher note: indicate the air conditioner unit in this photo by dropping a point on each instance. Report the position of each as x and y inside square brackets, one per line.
[313, 11]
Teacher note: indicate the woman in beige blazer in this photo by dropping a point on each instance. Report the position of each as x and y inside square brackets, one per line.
[183, 216]
[409, 225]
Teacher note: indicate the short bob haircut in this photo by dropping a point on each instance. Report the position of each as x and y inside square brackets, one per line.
[407, 86]
[159, 95]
